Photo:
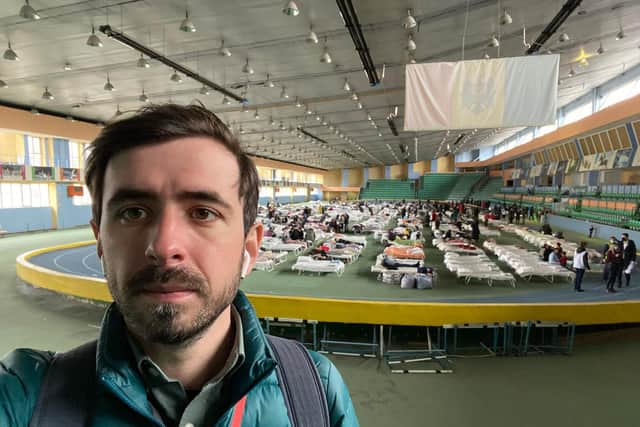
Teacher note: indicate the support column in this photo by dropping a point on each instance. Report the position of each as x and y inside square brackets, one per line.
[446, 163]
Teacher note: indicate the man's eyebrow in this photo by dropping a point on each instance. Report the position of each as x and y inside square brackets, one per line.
[124, 194]
[128, 194]
[205, 195]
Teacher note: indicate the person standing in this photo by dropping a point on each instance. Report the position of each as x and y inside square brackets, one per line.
[607, 267]
[580, 264]
[628, 257]
[614, 258]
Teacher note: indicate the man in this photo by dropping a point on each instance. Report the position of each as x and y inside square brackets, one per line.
[614, 259]
[628, 257]
[580, 264]
[174, 208]
[607, 266]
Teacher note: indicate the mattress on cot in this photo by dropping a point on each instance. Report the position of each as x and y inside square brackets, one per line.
[404, 252]
[307, 263]
[275, 244]
[264, 265]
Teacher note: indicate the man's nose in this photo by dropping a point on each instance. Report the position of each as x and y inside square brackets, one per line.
[166, 240]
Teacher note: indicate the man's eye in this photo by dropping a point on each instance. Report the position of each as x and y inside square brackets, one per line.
[133, 214]
[203, 214]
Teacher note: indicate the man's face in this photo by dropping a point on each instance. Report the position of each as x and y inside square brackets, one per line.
[172, 236]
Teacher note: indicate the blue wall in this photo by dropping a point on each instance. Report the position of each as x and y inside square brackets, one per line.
[365, 176]
[26, 219]
[411, 174]
[345, 177]
[486, 152]
[580, 226]
[61, 152]
[70, 215]
[463, 157]
[434, 165]
[387, 172]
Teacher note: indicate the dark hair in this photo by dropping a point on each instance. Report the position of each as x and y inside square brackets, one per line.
[162, 123]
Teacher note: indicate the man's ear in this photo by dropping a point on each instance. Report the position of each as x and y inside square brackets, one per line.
[252, 242]
[96, 233]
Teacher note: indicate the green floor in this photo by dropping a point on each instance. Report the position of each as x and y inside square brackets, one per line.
[597, 386]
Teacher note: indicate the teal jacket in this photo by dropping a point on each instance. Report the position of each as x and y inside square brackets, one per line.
[120, 398]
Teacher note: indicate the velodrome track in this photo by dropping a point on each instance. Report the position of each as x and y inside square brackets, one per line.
[74, 269]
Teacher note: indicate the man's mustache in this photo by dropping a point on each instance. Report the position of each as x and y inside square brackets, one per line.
[152, 278]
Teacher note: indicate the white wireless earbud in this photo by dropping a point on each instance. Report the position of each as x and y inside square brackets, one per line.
[104, 269]
[246, 260]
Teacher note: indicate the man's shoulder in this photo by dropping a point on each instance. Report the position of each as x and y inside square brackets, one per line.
[338, 397]
[26, 363]
[21, 374]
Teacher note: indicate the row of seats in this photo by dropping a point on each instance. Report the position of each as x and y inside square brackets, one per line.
[463, 186]
[487, 191]
[617, 220]
[437, 186]
[386, 189]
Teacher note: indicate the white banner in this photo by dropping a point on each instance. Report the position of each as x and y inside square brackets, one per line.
[485, 93]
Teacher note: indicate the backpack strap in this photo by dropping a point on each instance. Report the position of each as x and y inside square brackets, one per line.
[64, 399]
[300, 383]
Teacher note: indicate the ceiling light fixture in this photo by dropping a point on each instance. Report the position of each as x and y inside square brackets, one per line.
[187, 25]
[346, 87]
[142, 62]
[571, 72]
[67, 66]
[325, 58]
[291, 8]
[175, 77]
[256, 115]
[226, 100]
[246, 68]
[118, 112]
[354, 96]
[486, 54]
[3, 84]
[47, 95]
[312, 37]
[505, 19]
[10, 54]
[108, 86]
[28, 12]
[409, 22]
[224, 51]
[620, 34]
[283, 93]
[359, 105]
[411, 44]
[298, 103]
[600, 50]
[493, 41]
[564, 37]
[268, 82]
[143, 97]
[94, 40]
[204, 90]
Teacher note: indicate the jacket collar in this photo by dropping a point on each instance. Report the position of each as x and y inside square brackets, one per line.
[115, 364]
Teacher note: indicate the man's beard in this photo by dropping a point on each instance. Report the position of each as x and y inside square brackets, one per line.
[166, 323]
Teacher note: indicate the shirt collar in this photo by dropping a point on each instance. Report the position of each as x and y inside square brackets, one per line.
[152, 375]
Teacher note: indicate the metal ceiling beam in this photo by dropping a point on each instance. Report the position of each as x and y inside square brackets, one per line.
[128, 41]
[350, 18]
[553, 26]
